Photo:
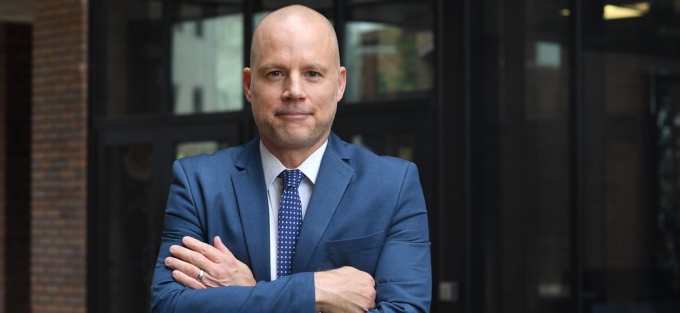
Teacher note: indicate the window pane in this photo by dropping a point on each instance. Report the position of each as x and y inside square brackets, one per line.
[186, 149]
[207, 59]
[665, 182]
[132, 57]
[388, 51]
[397, 145]
[632, 118]
[527, 158]
[127, 252]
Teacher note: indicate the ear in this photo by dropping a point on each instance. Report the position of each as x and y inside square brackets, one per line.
[342, 83]
[247, 78]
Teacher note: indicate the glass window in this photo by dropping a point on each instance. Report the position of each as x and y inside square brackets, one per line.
[630, 123]
[186, 149]
[631, 92]
[401, 146]
[665, 192]
[127, 251]
[388, 51]
[526, 161]
[207, 58]
[131, 54]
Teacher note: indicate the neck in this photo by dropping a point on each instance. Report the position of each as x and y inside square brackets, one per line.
[292, 157]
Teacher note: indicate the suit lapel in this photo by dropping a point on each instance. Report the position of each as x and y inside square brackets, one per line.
[251, 195]
[334, 176]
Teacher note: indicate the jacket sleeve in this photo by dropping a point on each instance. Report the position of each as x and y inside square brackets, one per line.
[294, 293]
[404, 272]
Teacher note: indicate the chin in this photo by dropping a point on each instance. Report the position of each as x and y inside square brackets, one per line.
[297, 136]
[298, 140]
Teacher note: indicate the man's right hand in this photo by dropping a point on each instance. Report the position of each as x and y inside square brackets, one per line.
[345, 289]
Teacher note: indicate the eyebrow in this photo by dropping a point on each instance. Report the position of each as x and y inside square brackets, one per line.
[316, 67]
[269, 65]
[307, 67]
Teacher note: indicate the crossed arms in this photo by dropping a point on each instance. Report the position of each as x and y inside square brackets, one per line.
[399, 282]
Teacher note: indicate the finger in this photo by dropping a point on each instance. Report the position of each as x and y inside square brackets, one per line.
[186, 280]
[180, 266]
[189, 256]
[184, 267]
[203, 248]
[219, 245]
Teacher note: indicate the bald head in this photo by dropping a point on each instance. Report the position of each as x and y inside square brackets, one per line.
[294, 20]
[294, 82]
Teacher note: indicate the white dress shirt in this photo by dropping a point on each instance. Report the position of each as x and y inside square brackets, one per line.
[272, 168]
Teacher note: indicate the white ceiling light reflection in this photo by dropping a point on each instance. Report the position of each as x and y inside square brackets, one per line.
[613, 12]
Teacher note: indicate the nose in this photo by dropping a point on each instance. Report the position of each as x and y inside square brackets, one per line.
[293, 88]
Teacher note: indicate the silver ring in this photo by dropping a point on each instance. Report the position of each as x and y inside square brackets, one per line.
[200, 276]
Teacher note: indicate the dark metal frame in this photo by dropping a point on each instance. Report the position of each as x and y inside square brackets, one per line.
[577, 179]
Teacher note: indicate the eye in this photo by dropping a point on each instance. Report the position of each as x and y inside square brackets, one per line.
[275, 73]
[313, 74]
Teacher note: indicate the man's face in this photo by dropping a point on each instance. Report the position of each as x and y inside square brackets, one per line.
[294, 84]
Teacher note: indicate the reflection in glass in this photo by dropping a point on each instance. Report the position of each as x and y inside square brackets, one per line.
[630, 133]
[128, 255]
[186, 149]
[526, 107]
[665, 148]
[401, 146]
[207, 62]
[387, 55]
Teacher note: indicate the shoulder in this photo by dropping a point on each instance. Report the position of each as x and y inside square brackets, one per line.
[380, 176]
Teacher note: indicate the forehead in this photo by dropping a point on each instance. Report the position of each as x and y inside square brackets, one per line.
[294, 39]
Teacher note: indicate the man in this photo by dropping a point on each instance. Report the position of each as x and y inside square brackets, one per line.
[363, 245]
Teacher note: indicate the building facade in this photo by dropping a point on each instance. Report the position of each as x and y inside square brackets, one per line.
[546, 133]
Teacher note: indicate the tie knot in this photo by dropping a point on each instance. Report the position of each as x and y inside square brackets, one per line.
[291, 178]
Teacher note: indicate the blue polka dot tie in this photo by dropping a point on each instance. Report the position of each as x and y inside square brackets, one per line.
[290, 220]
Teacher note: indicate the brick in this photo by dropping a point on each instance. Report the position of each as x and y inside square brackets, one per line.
[59, 157]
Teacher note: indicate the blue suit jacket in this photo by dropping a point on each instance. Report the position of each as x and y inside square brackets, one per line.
[366, 211]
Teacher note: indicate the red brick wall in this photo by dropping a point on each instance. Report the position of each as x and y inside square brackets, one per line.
[59, 153]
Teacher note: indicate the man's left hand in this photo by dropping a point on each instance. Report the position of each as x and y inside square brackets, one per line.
[219, 266]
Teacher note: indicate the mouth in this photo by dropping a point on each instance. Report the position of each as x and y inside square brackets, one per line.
[292, 115]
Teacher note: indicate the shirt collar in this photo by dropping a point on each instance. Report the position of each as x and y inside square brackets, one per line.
[272, 167]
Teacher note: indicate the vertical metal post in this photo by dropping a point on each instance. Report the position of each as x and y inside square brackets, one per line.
[576, 152]
[467, 185]
[247, 124]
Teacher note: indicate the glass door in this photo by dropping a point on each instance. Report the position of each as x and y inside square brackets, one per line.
[168, 86]
[630, 99]
[579, 165]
